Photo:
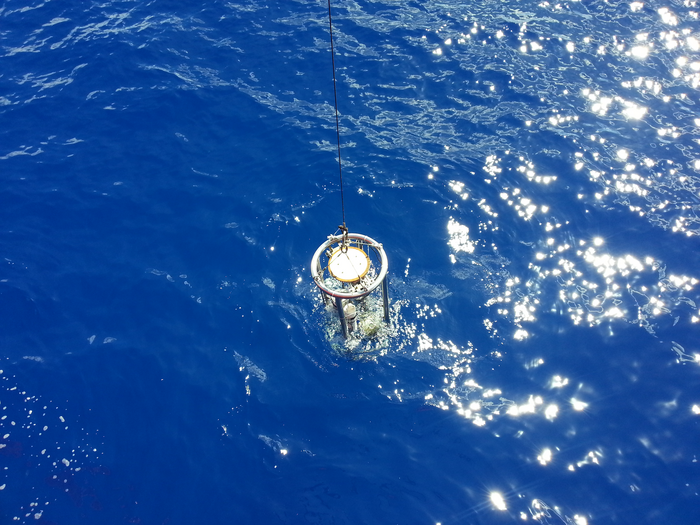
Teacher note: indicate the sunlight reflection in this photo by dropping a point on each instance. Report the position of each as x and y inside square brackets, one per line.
[578, 405]
[459, 237]
[590, 281]
[558, 382]
[545, 456]
[498, 501]
[640, 51]
[528, 408]
[667, 16]
[551, 412]
[520, 334]
[683, 356]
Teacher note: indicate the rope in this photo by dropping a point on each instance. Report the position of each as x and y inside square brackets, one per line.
[343, 228]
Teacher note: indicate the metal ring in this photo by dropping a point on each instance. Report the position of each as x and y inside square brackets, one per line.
[317, 270]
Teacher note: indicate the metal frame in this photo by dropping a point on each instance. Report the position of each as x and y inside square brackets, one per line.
[355, 291]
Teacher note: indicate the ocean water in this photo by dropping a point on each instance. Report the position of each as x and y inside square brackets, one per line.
[168, 169]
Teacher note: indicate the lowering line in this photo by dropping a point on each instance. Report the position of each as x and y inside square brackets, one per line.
[343, 228]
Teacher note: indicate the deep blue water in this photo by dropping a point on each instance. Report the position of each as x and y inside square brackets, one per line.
[168, 169]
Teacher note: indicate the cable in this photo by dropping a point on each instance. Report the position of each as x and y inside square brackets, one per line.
[337, 122]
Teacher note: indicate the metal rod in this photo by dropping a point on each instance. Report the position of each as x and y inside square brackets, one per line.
[385, 296]
[341, 315]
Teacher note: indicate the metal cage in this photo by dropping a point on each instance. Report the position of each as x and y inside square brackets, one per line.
[347, 268]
